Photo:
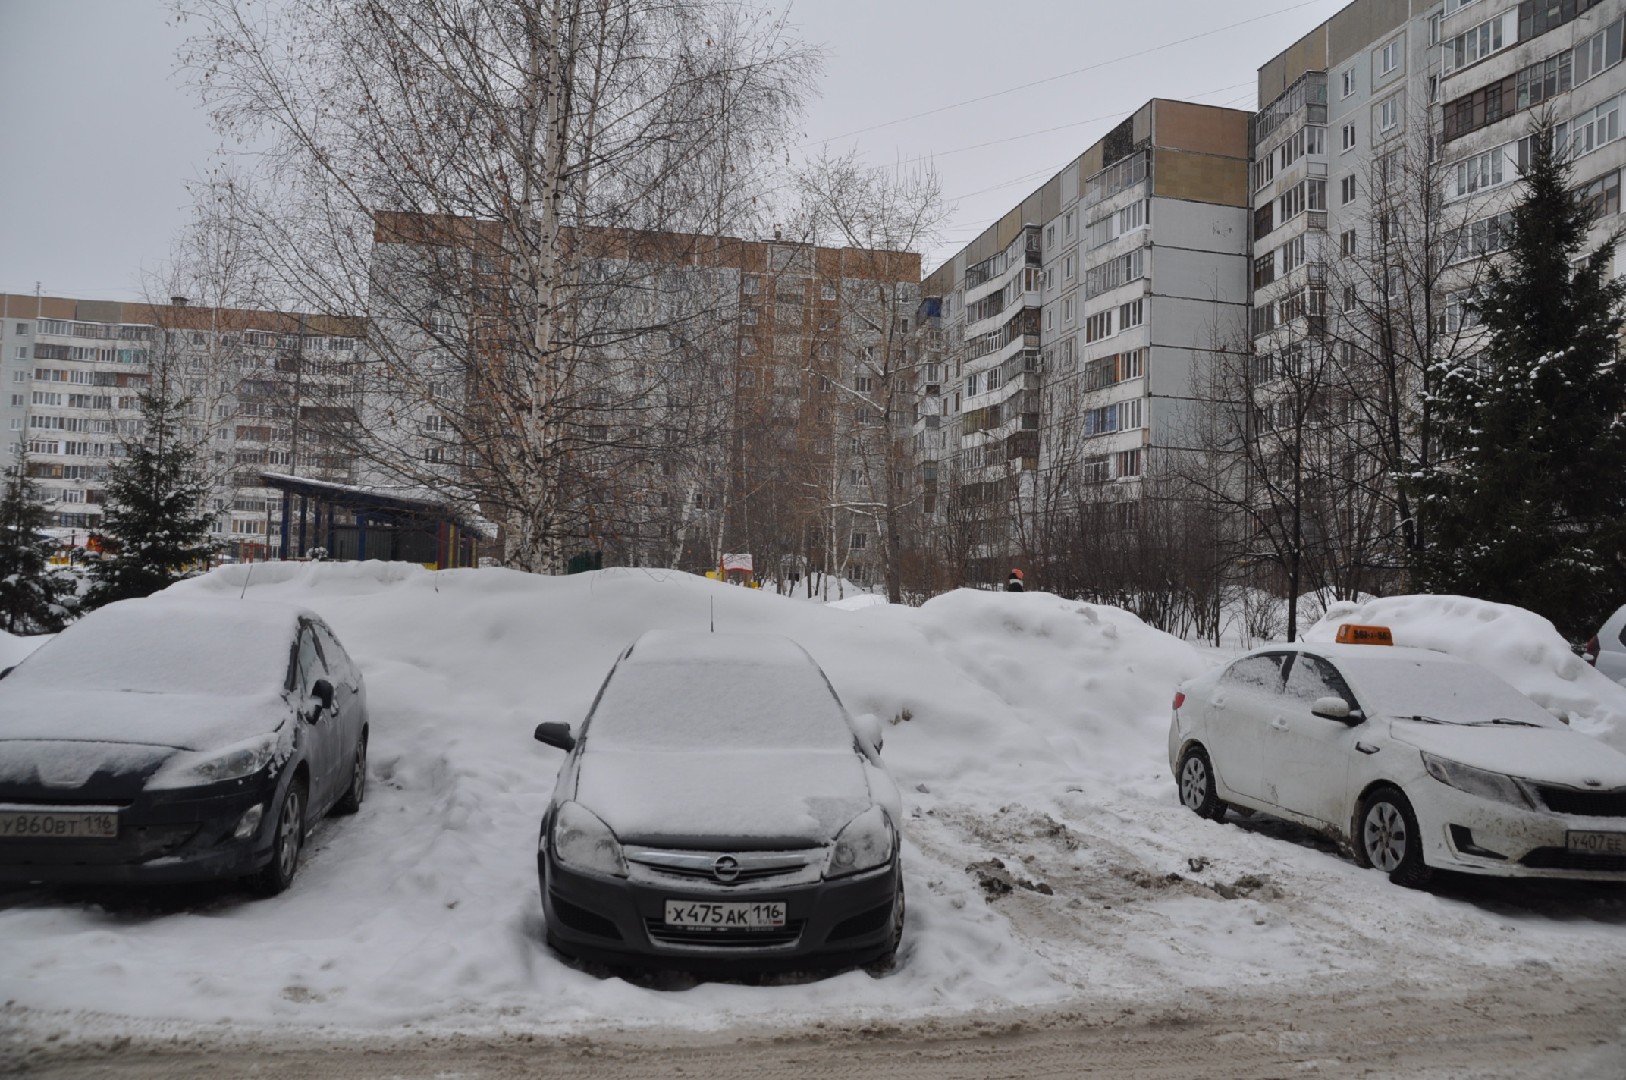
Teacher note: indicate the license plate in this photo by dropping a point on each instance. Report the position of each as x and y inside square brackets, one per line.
[1597, 843]
[691, 915]
[57, 825]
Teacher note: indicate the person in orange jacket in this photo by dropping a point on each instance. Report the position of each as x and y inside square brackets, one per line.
[1014, 582]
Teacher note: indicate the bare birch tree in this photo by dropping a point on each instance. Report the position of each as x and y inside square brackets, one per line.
[504, 187]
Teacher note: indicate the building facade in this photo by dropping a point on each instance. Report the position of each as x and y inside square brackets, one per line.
[696, 396]
[1075, 331]
[74, 370]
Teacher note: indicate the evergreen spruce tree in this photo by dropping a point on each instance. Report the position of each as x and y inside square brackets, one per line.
[32, 593]
[1528, 503]
[156, 498]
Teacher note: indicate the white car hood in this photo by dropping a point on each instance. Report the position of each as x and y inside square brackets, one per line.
[1552, 755]
[181, 721]
[773, 798]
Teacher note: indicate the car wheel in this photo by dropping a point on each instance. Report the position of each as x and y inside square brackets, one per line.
[1197, 785]
[1388, 838]
[286, 842]
[350, 801]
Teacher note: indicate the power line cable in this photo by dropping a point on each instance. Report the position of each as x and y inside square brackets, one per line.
[1069, 74]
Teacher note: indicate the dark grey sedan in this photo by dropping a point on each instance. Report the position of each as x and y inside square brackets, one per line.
[720, 808]
[166, 740]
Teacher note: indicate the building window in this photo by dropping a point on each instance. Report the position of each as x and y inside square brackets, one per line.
[1592, 56]
[1131, 314]
[1389, 114]
[22, 328]
[1602, 195]
[1348, 82]
[1346, 190]
[1473, 45]
[752, 284]
[1389, 57]
[1099, 326]
[1264, 270]
[1346, 241]
[1595, 128]
[828, 290]
[860, 541]
[1067, 225]
[1129, 462]
[749, 316]
[1348, 134]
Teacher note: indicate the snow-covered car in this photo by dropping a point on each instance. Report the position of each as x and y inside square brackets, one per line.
[166, 740]
[1607, 649]
[1418, 760]
[719, 807]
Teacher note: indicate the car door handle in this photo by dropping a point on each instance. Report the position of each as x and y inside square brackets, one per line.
[1279, 723]
[1366, 748]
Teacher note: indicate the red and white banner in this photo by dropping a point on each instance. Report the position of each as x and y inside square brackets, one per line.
[738, 562]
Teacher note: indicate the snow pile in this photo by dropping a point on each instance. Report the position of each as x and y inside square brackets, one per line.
[1519, 646]
[14, 648]
[1046, 855]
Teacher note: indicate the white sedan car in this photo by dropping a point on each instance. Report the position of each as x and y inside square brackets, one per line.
[1417, 760]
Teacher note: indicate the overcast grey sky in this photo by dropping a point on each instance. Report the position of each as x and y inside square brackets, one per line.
[105, 134]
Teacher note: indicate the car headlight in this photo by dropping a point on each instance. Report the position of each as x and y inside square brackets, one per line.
[1487, 785]
[583, 841]
[191, 769]
[865, 843]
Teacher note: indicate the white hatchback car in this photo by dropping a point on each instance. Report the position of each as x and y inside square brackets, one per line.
[1416, 759]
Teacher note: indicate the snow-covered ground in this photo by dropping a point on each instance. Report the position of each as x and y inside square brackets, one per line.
[1047, 856]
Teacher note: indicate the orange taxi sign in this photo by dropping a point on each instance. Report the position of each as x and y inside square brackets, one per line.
[1353, 634]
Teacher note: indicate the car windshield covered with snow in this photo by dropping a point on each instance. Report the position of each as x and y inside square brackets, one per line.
[1437, 688]
[720, 808]
[163, 646]
[779, 700]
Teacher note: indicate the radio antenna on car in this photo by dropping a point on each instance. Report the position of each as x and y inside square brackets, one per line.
[714, 614]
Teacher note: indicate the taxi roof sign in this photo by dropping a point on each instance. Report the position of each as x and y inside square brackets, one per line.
[1353, 634]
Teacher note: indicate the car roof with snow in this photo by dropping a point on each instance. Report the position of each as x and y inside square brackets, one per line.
[165, 645]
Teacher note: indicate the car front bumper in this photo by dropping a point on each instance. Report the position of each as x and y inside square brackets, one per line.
[828, 923]
[1475, 835]
[166, 837]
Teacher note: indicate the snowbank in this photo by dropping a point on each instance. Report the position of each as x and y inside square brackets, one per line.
[14, 648]
[1046, 857]
[1521, 647]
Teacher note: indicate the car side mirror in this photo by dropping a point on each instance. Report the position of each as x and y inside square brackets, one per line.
[869, 730]
[555, 734]
[322, 690]
[1334, 708]
[8, 671]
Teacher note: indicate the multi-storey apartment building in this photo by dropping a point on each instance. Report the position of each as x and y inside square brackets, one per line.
[1504, 66]
[1075, 327]
[1386, 155]
[701, 395]
[73, 371]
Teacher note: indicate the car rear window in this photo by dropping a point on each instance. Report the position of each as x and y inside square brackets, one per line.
[697, 706]
[1439, 689]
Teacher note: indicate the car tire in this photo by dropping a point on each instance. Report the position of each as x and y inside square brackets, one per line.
[1196, 783]
[1387, 837]
[350, 801]
[287, 839]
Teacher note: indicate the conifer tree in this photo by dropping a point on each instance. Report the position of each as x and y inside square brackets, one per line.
[156, 504]
[1528, 503]
[32, 593]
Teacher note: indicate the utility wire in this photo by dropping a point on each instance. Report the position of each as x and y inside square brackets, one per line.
[1070, 74]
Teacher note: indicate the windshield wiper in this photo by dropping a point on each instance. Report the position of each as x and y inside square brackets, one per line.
[1421, 719]
[1502, 721]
